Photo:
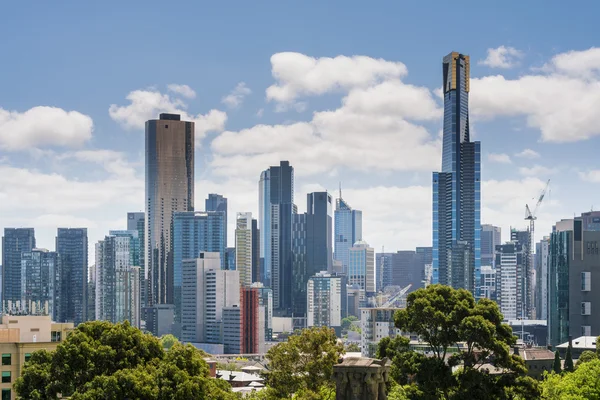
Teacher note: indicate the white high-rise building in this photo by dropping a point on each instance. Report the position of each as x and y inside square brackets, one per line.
[326, 300]
[511, 261]
[541, 268]
[206, 291]
[243, 247]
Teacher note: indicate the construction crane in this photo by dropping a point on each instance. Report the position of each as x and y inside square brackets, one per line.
[532, 216]
[395, 297]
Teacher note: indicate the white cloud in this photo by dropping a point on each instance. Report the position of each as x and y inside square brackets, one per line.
[590, 176]
[499, 158]
[502, 57]
[528, 153]
[260, 113]
[562, 101]
[113, 162]
[43, 126]
[183, 90]
[237, 95]
[300, 75]
[148, 104]
[583, 63]
[537, 170]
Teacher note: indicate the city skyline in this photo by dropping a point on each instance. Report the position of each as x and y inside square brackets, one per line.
[86, 169]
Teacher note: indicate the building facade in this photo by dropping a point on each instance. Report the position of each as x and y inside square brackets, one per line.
[276, 211]
[169, 188]
[488, 282]
[541, 287]
[361, 267]
[348, 230]
[194, 232]
[41, 282]
[253, 319]
[375, 324]
[384, 266]
[72, 245]
[136, 221]
[206, 291]
[218, 203]
[456, 189]
[573, 279]
[511, 263]
[232, 330]
[247, 252]
[526, 278]
[491, 236]
[327, 300]
[14, 242]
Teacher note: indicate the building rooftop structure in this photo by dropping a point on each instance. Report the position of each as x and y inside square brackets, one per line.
[581, 343]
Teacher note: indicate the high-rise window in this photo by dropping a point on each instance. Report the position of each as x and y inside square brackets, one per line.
[586, 281]
[586, 308]
[586, 330]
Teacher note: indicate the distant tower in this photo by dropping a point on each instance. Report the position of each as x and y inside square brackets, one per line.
[456, 189]
[72, 246]
[169, 188]
[348, 230]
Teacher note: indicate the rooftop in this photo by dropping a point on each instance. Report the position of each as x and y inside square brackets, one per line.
[582, 342]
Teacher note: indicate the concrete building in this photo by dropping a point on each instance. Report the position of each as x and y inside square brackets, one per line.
[488, 282]
[511, 263]
[376, 323]
[247, 249]
[265, 301]
[232, 330]
[252, 323]
[136, 221]
[169, 188]
[194, 232]
[20, 336]
[41, 283]
[526, 278]
[276, 211]
[541, 268]
[348, 230]
[327, 300]
[361, 267]
[118, 278]
[573, 282]
[206, 291]
[72, 246]
[159, 319]
[14, 242]
[491, 236]
[457, 187]
[384, 266]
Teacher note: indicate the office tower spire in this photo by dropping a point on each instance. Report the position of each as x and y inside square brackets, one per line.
[456, 189]
[169, 188]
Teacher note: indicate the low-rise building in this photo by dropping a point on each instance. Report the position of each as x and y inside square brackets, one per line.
[376, 323]
[20, 336]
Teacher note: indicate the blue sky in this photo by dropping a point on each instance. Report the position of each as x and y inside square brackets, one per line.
[347, 91]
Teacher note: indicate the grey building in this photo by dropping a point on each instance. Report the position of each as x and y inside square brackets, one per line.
[573, 279]
[169, 188]
[276, 211]
[526, 280]
[312, 247]
[384, 270]
[491, 236]
[41, 283]
[72, 245]
[423, 259]
[230, 259]
[456, 189]
[194, 232]
[159, 319]
[541, 287]
[232, 330]
[511, 263]
[14, 242]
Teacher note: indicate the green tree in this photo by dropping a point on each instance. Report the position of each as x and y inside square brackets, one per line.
[104, 360]
[444, 317]
[582, 384]
[586, 356]
[352, 348]
[556, 366]
[167, 341]
[569, 358]
[347, 322]
[305, 361]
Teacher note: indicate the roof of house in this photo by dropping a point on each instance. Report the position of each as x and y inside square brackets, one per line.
[238, 376]
[582, 342]
[537, 354]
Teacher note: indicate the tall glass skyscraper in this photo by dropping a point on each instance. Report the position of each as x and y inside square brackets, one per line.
[348, 230]
[216, 202]
[72, 246]
[169, 188]
[14, 242]
[456, 189]
[276, 210]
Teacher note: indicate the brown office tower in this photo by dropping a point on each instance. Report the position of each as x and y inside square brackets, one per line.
[169, 188]
[253, 321]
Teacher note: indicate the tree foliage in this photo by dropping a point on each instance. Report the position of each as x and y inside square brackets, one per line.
[304, 362]
[167, 341]
[569, 358]
[586, 356]
[556, 366]
[347, 322]
[104, 360]
[582, 384]
[443, 317]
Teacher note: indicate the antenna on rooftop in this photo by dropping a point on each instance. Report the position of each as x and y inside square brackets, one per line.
[340, 189]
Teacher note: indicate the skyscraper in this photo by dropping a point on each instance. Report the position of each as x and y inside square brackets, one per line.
[541, 287]
[216, 202]
[14, 242]
[511, 261]
[41, 283]
[361, 267]
[456, 189]
[491, 236]
[348, 230]
[327, 300]
[72, 245]
[169, 188]
[194, 232]
[276, 210]
[311, 247]
[246, 248]
[525, 279]
[136, 222]
[384, 265]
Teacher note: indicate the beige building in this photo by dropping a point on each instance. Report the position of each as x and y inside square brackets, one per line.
[20, 336]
